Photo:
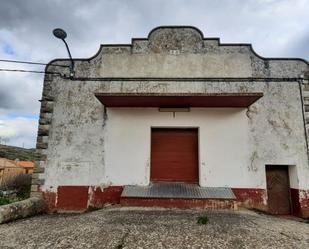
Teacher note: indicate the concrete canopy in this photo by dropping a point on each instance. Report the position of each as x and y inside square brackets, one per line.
[178, 99]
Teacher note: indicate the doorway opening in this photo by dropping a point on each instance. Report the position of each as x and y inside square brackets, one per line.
[174, 155]
[278, 189]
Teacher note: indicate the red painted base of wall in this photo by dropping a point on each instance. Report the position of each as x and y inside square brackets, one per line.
[248, 198]
[300, 202]
[80, 198]
[73, 198]
[178, 203]
[304, 202]
[257, 199]
[49, 201]
[103, 196]
[251, 198]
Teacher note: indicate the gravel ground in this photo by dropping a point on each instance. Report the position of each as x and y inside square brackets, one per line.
[117, 227]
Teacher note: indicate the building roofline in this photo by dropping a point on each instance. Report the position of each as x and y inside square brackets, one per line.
[249, 45]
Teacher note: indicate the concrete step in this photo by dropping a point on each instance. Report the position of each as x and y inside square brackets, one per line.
[178, 195]
[179, 203]
[178, 190]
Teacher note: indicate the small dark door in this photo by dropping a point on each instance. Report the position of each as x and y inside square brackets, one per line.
[278, 189]
[174, 155]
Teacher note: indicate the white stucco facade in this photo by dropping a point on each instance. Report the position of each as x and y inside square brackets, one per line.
[223, 156]
[93, 145]
[82, 142]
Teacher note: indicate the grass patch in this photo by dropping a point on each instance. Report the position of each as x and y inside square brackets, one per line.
[12, 152]
[5, 201]
[202, 220]
[9, 200]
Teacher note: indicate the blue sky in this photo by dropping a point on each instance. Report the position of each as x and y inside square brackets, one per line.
[7, 49]
[23, 115]
[276, 28]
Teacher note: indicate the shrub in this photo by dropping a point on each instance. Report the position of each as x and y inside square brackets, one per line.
[20, 184]
[5, 201]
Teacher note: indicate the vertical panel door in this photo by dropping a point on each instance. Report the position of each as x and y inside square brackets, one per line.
[278, 189]
[174, 155]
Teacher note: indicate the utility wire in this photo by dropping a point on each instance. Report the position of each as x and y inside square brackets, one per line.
[31, 63]
[25, 71]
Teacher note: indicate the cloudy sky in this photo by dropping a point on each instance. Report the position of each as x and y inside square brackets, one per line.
[276, 28]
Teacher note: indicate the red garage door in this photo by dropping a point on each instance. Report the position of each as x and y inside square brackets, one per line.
[174, 155]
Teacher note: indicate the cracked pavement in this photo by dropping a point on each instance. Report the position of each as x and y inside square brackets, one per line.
[124, 227]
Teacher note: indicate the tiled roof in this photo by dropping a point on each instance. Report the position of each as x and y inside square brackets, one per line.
[6, 163]
[25, 164]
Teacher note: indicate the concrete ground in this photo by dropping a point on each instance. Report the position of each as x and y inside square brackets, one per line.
[136, 228]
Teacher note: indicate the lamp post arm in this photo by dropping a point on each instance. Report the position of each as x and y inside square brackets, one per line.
[71, 59]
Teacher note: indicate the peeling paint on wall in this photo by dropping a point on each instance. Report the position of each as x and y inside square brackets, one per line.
[79, 132]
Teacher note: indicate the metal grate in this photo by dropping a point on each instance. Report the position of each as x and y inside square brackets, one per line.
[178, 190]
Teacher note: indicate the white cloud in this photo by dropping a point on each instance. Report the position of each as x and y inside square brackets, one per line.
[276, 28]
[18, 131]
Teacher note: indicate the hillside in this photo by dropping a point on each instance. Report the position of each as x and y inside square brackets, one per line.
[12, 152]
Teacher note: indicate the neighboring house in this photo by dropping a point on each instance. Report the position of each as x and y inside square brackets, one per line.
[175, 120]
[9, 169]
[27, 165]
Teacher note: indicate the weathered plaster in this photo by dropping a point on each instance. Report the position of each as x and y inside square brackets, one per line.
[275, 129]
[79, 138]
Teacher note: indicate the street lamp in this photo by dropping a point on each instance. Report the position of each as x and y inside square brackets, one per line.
[61, 34]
